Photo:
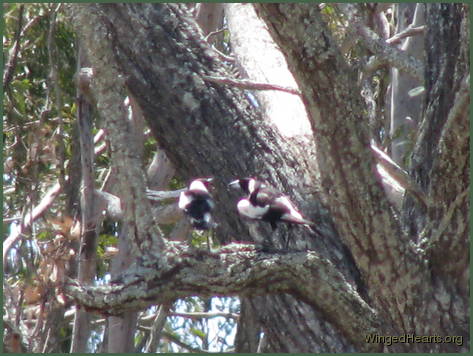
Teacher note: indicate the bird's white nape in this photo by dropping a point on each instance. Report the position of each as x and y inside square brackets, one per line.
[198, 185]
[251, 185]
[184, 200]
[245, 208]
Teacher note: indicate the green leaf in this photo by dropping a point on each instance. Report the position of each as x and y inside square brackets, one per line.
[198, 333]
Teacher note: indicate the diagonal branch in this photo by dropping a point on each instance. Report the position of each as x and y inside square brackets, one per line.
[248, 84]
[235, 269]
[379, 47]
[407, 32]
[399, 175]
[12, 60]
[38, 210]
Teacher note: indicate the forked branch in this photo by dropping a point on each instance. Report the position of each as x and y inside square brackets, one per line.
[235, 269]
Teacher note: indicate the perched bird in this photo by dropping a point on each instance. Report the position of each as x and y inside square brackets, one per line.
[197, 203]
[267, 204]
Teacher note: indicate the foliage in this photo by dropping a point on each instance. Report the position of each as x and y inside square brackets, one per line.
[40, 144]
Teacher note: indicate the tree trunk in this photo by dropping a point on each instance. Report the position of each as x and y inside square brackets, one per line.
[259, 59]
[399, 280]
[87, 258]
[191, 117]
[440, 160]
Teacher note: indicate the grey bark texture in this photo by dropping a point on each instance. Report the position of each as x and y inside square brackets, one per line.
[316, 299]
[406, 281]
[89, 215]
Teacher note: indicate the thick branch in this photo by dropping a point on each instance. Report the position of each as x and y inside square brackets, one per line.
[90, 219]
[357, 202]
[163, 214]
[235, 270]
[163, 195]
[207, 315]
[157, 327]
[125, 153]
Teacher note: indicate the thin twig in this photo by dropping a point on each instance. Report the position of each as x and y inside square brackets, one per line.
[11, 64]
[247, 84]
[408, 32]
[205, 315]
[157, 328]
[9, 220]
[447, 217]
[223, 55]
[54, 77]
[32, 22]
[46, 341]
[213, 33]
[399, 175]
[36, 212]
[460, 105]
[179, 343]
[379, 47]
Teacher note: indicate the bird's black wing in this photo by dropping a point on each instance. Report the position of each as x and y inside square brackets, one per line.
[198, 194]
[264, 196]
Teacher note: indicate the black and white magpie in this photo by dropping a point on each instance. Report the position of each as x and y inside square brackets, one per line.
[197, 203]
[267, 204]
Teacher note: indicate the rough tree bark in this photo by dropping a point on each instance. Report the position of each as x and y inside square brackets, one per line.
[398, 280]
[121, 329]
[259, 59]
[87, 261]
[163, 61]
[440, 161]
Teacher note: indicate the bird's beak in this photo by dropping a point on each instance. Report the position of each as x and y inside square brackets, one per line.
[234, 184]
[207, 180]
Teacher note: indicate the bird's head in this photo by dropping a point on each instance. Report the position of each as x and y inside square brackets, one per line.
[248, 185]
[201, 184]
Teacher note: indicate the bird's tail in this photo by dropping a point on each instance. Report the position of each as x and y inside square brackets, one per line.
[312, 226]
[200, 224]
[296, 220]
